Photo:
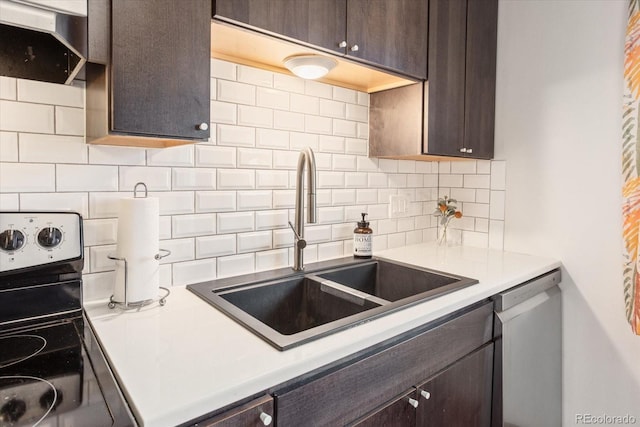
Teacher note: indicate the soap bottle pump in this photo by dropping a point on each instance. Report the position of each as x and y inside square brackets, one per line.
[362, 236]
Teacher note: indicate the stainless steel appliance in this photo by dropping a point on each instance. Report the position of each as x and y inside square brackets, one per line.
[528, 368]
[52, 371]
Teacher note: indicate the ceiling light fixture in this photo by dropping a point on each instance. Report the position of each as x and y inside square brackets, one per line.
[309, 66]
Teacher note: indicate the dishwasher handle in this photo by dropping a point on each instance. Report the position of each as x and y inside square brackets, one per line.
[514, 296]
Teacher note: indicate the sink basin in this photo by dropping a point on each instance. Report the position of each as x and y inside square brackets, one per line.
[392, 281]
[294, 305]
[289, 311]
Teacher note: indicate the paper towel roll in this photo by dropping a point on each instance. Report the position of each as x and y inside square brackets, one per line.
[138, 241]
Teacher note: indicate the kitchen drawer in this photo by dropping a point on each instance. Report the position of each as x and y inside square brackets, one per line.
[351, 390]
[258, 412]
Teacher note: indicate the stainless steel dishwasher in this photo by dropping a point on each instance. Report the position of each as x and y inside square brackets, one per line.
[528, 357]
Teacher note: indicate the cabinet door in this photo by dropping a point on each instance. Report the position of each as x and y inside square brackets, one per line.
[447, 39]
[480, 89]
[318, 22]
[460, 396]
[258, 412]
[397, 413]
[391, 33]
[160, 67]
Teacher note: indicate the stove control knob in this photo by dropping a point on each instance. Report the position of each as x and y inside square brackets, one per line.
[49, 237]
[12, 411]
[11, 240]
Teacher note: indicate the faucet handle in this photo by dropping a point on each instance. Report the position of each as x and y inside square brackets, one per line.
[300, 242]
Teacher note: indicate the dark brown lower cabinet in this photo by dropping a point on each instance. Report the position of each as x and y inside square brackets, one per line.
[400, 412]
[258, 412]
[460, 396]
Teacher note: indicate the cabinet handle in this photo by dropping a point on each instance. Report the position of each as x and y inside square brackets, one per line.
[203, 126]
[469, 150]
[265, 418]
[413, 402]
[425, 394]
[354, 48]
[343, 43]
[463, 150]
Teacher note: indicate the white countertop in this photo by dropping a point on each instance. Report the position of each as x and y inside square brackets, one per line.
[186, 359]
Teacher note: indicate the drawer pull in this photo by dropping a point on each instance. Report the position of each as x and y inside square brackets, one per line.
[425, 394]
[413, 402]
[265, 418]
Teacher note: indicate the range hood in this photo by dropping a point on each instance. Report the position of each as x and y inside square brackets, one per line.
[43, 40]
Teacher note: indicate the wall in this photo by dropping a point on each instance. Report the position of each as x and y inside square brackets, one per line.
[225, 203]
[559, 98]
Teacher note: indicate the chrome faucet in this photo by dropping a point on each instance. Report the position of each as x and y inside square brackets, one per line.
[306, 158]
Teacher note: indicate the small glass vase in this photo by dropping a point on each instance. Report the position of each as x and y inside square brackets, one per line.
[442, 235]
[449, 237]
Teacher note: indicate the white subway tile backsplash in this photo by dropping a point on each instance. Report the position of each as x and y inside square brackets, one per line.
[8, 88]
[288, 121]
[174, 202]
[344, 163]
[269, 220]
[215, 157]
[164, 226]
[255, 116]
[362, 130]
[283, 238]
[479, 210]
[43, 148]
[100, 231]
[77, 202]
[498, 175]
[105, 205]
[483, 195]
[323, 161]
[269, 260]
[214, 246]
[288, 83]
[377, 180]
[332, 144]
[224, 112]
[329, 215]
[69, 121]
[424, 167]
[406, 224]
[99, 260]
[98, 286]
[254, 158]
[365, 164]
[185, 273]
[345, 95]
[388, 165]
[181, 250]
[155, 178]
[215, 201]
[300, 141]
[26, 117]
[406, 166]
[497, 205]
[254, 200]
[482, 225]
[193, 225]
[413, 237]
[235, 265]
[476, 181]
[317, 124]
[8, 147]
[304, 104]
[464, 195]
[272, 98]
[255, 241]
[321, 90]
[344, 128]
[397, 180]
[396, 240]
[317, 233]
[363, 98]
[483, 166]
[9, 202]
[286, 160]
[194, 179]
[283, 199]
[356, 146]
[475, 239]
[323, 197]
[235, 222]
[450, 181]
[237, 93]
[330, 108]
[387, 226]
[240, 136]
[255, 76]
[272, 179]
[343, 196]
[236, 179]
[414, 180]
[496, 234]
[330, 179]
[366, 196]
[223, 69]
[115, 155]
[273, 139]
[26, 177]
[358, 113]
[330, 250]
[379, 211]
[464, 167]
[46, 93]
[342, 231]
[86, 178]
[355, 179]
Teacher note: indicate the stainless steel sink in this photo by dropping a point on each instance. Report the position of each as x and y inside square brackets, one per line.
[292, 310]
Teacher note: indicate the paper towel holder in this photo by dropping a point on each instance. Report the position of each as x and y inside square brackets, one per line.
[126, 304]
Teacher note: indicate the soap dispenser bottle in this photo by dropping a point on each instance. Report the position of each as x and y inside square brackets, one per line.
[362, 236]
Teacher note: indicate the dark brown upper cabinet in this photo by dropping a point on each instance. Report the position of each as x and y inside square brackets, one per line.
[457, 102]
[148, 83]
[391, 34]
